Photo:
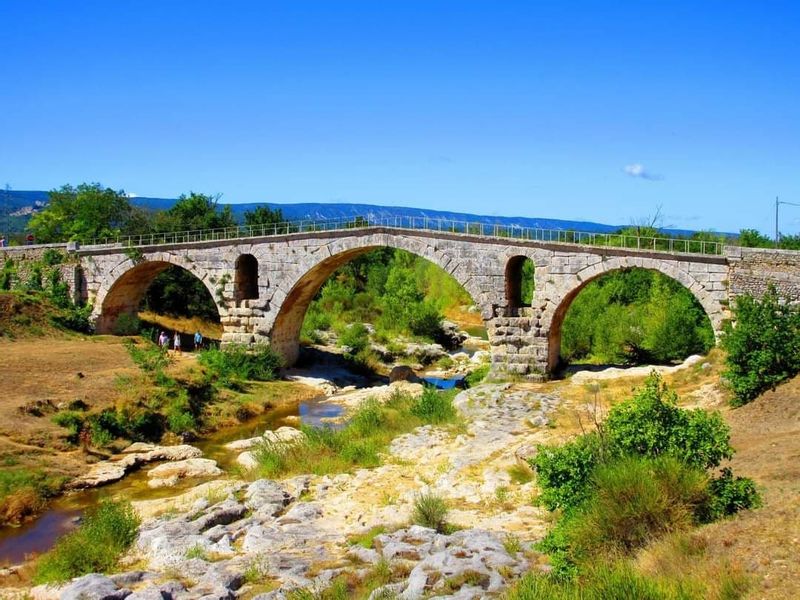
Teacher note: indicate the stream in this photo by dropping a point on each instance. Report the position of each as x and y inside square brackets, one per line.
[64, 512]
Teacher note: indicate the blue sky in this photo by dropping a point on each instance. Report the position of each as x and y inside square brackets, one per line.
[581, 110]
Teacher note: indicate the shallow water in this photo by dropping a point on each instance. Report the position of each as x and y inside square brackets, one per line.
[64, 513]
[445, 383]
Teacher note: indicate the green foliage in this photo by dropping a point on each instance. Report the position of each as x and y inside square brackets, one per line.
[148, 356]
[175, 291]
[563, 472]
[652, 424]
[127, 324]
[399, 293]
[264, 216]
[752, 238]
[70, 420]
[731, 494]
[635, 315]
[194, 212]
[433, 406]
[763, 349]
[430, 510]
[474, 377]
[634, 501]
[354, 339]
[85, 213]
[95, 547]
[237, 363]
[640, 475]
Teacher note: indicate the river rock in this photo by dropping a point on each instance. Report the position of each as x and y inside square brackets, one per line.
[93, 587]
[403, 373]
[169, 474]
[266, 497]
[108, 471]
[480, 357]
[452, 336]
[281, 435]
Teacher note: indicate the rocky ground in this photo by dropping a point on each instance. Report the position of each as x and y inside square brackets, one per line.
[235, 539]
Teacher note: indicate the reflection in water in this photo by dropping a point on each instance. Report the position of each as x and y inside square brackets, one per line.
[63, 514]
[17, 543]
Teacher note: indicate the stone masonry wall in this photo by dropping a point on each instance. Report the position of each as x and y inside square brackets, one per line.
[752, 270]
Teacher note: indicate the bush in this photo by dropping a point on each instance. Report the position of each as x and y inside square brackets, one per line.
[127, 324]
[433, 406]
[763, 349]
[563, 472]
[642, 474]
[238, 363]
[731, 494]
[94, 547]
[475, 377]
[430, 510]
[652, 424]
[354, 339]
[72, 421]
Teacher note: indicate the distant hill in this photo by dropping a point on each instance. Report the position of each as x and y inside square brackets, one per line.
[16, 207]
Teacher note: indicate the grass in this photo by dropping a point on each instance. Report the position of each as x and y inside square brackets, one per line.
[371, 428]
[430, 510]
[237, 364]
[24, 492]
[95, 547]
[675, 568]
[366, 539]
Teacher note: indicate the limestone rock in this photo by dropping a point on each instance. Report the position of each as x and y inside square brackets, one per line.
[93, 587]
[169, 474]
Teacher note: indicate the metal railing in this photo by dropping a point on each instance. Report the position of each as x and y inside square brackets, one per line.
[489, 230]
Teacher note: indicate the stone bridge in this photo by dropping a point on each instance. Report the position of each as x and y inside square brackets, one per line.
[262, 286]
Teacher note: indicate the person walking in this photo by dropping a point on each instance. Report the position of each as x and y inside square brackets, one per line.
[198, 340]
[176, 342]
[163, 340]
[2, 241]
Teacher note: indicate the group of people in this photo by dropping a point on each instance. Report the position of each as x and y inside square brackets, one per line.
[29, 240]
[163, 341]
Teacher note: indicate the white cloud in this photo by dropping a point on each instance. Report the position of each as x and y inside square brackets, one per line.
[638, 170]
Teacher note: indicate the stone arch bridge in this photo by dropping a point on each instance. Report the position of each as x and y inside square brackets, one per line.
[262, 285]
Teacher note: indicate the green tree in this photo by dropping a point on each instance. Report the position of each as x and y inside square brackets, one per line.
[195, 212]
[751, 238]
[263, 215]
[85, 213]
[763, 347]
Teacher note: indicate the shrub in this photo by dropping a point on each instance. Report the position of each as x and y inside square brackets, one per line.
[476, 376]
[94, 547]
[563, 471]
[430, 510]
[731, 494]
[763, 349]
[434, 407]
[127, 324]
[149, 357]
[238, 363]
[354, 339]
[72, 421]
[651, 424]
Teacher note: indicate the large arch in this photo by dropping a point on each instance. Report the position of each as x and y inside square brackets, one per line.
[308, 279]
[581, 279]
[124, 288]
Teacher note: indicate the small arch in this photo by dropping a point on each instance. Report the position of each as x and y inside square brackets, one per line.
[519, 282]
[246, 279]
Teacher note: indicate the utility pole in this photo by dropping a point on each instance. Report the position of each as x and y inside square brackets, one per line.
[778, 202]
